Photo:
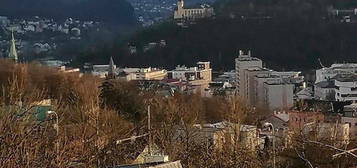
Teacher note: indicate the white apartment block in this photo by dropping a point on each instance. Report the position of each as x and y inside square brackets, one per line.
[201, 75]
[182, 13]
[346, 88]
[325, 90]
[327, 73]
[264, 87]
[278, 95]
[245, 62]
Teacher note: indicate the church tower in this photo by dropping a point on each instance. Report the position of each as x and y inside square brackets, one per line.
[112, 67]
[179, 4]
[12, 51]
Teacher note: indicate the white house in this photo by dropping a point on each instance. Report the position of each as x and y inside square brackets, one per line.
[346, 88]
[325, 90]
[327, 73]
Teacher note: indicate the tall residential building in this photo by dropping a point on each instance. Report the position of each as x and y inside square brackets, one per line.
[245, 62]
[12, 51]
[263, 87]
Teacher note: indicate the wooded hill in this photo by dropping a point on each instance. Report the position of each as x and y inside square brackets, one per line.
[111, 11]
[285, 34]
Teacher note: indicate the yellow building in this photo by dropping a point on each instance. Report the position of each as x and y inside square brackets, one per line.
[182, 13]
[143, 74]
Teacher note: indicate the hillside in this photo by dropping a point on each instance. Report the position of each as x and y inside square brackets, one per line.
[291, 35]
[113, 11]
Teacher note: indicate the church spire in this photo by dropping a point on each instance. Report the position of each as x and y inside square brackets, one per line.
[12, 51]
[112, 67]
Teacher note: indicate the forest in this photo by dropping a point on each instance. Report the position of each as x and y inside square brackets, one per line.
[117, 12]
[287, 35]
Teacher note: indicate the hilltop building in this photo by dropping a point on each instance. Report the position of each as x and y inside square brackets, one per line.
[183, 13]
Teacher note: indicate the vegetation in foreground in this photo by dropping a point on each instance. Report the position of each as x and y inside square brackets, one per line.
[93, 115]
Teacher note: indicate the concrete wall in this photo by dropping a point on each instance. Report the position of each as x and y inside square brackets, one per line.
[279, 96]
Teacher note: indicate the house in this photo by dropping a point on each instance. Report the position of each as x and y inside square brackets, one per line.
[221, 135]
[327, 73]
[339, 133]
[346, 87]
[152, 157]
[176, 164]
[352, 122]
[298, 120]
[325, 90]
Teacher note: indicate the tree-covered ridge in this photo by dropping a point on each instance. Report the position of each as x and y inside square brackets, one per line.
[285, 34]
[114, 11]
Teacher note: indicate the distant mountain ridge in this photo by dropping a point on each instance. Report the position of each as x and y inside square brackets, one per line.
[113, 11]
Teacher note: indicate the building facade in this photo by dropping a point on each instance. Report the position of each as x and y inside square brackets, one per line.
[183, 13]
[327, 73]
[325, 90]
[199, 76]
[242, 63]
[130, 74]
[299, 121]
[346, 87]
[278, 95]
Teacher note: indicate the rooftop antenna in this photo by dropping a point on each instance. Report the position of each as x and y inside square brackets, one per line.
[321, 63]
[149, 129]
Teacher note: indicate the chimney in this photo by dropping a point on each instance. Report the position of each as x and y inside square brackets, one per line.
[240, 52]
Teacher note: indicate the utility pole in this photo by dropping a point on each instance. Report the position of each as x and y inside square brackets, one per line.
[149, 130]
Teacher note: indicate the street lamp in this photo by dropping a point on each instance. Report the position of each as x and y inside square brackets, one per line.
[57, 130]
[267, 124]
